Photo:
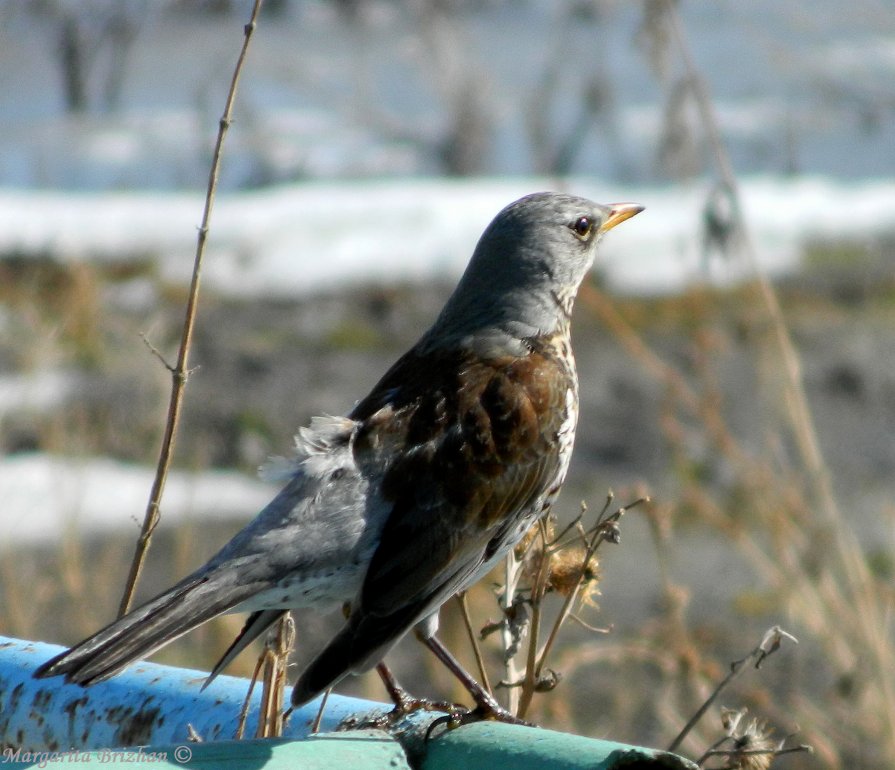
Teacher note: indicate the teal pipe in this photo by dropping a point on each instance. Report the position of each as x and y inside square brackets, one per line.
[363, 750]
[145, 704]
[46, 723]
[492, 745]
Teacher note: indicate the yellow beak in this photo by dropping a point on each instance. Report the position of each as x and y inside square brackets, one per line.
[618, 213]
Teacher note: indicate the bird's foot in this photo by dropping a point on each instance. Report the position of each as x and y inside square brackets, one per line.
[405, 703]
[408, 705]
[497, 715]
[486, 710]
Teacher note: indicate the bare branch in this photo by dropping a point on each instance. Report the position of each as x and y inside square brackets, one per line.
[180, 372]
[473, 640]
[769, 644]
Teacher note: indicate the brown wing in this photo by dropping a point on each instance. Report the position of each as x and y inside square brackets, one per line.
[465, 449]
[480, 447]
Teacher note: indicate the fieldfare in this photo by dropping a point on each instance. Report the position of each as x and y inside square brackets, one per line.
[422, 488]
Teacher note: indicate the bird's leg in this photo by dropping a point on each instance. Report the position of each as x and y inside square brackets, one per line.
[399, 696]
[487, 706]
[404, 702]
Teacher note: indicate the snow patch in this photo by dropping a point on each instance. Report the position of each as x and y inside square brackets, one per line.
[47, 497]
[300, 239]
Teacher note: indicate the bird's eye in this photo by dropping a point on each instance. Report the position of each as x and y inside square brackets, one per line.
[582, 226]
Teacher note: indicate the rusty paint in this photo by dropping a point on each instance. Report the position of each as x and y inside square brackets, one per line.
[42, 699]
[16, 695]
[145, 704]
[137, 727]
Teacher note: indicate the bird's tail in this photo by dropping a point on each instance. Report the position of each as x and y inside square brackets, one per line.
[359, 646]
[188, 604]
[257, 623]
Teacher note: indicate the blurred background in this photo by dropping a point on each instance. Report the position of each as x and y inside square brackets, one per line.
[734, 345]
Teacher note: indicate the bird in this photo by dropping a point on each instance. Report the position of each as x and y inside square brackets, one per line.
[422, 487]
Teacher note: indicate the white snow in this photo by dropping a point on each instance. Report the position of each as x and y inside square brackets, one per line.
[293, 240]
[35, 392]
[45, 497]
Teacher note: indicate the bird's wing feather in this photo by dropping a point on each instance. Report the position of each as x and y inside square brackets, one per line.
[311, 525]
[256, 624]
[481, 449]
[185, 606]
[479, 456]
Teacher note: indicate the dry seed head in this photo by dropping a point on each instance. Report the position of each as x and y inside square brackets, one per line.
[568, 567]
[731, 718]
[756, 737]
[565, 568]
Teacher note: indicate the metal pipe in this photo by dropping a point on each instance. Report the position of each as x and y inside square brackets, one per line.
[146, 704]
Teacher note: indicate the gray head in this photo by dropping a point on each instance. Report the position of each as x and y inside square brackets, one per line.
[526, 270]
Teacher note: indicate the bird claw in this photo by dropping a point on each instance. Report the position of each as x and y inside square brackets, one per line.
[500, 715]
[484, 712]
[409, 705]
[406, 704]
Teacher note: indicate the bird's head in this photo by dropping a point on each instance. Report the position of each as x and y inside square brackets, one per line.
[527, 267]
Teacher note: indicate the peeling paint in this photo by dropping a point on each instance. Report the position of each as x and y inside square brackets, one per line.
[16, 695]
[145, 704]
[138, 727]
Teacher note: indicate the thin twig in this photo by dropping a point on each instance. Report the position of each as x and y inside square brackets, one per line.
[247, 702]
[714, 747]
[736, 753]
[473, 641]
[599, 535]
[769, 644]
[530, 680]
[511, 572]
[277, 648]
[180, 372]
[587, 626]
[803, 423]
[315, 727]
[573, 524]
[604, 529]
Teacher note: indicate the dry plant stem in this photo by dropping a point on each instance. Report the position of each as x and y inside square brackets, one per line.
[710, 751]
[596, 301]
[474, 642]
[315, 728]
[266, 714]
[180, 371]
[802, 420]
[736, 669]
[532, 671]
[244, 711]
[737, 753]
[511, 673]
[598, 536]
[769, 644]
[276, 656]
[859, 588]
